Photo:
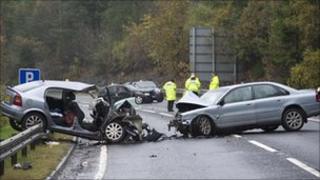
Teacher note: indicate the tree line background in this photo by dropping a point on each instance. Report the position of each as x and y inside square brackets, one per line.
[102, 41]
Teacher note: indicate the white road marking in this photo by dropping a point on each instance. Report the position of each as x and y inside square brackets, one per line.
[314, 120]
[304, 166]
[236, 136]
[102, 163]
[262, 146]
[149, 111]
[166, 114]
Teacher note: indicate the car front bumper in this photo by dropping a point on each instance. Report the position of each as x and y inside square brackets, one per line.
[11, 111]
[183, 126]
[150, 96]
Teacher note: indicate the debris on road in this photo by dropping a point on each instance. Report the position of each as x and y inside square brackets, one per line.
[153, 156]
[84, 164]
[153, 135]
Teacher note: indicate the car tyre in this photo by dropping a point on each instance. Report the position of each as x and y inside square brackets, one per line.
[202, 126]
[15, 125]
[293, 119]
[32, 119]
[160, 99]
[138, 99]
[270, 128]
[114, 132]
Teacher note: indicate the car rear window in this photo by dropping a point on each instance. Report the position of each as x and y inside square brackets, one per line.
[28, 86]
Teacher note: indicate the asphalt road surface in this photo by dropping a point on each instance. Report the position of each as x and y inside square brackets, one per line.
[252, 154]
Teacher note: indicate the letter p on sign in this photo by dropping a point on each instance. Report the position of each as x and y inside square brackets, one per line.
[28, 75]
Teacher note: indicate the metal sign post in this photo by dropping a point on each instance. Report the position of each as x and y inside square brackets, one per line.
[210, 51]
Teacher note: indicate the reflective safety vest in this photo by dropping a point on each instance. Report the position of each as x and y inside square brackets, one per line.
[170, 89]
[214, 84]
[193, 85]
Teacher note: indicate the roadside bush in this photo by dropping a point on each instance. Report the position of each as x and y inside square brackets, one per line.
[307, 73]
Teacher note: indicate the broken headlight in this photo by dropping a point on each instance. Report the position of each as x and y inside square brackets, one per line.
[178, 117]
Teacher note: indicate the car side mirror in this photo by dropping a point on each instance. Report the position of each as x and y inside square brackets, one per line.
[221, 103]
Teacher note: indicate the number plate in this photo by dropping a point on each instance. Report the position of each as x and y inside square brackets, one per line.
[7, 98]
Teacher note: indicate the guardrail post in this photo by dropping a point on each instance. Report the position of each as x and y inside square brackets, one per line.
[24, 151]
[33, 145]
[1, 168]
[14, 159]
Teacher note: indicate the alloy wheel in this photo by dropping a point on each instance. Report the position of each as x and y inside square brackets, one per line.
[139, 99]
[33, 120]
[205, 126]
[114, 131]
[294, 120]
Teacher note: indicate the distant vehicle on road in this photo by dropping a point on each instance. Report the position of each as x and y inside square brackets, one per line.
[265, 105]
[145, 91]
[116, 92]
[72, 108]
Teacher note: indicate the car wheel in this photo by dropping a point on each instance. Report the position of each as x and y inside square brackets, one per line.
[15, 125]
[114, 132]
[270, 128]
[139, 100]
[202, 126]
[32, 119]
[293, 119]
[160, 99]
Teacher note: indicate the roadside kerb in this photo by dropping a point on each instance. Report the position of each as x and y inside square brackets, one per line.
[62, 163]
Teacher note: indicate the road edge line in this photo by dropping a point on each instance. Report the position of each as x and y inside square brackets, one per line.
[304, 166]
[63, 161]
[263, 146]
[166, 114]
[237, 136]
[148, 111]
[102, 162]
[314, 120]
[156, 113]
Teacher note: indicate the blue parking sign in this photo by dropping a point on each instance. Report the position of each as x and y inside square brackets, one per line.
[28, 75]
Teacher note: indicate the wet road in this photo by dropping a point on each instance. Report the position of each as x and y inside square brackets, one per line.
[250, 155]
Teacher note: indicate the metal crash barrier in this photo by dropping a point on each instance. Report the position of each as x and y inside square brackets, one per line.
[181, 91]
[10, 147]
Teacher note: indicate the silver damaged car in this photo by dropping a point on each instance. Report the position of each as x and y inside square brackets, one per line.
[265, 105]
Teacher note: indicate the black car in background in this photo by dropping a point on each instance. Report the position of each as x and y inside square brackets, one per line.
[116, 92]
[145, 91]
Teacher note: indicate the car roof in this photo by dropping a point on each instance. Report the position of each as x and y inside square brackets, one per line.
[257, 83]
[71, 85]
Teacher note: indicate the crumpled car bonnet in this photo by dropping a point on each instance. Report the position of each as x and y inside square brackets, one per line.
[190, 101]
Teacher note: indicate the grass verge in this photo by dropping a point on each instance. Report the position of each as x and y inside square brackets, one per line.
[43, 159]
[6, 130]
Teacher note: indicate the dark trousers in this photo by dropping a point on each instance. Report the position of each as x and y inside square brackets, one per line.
[170, 106]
